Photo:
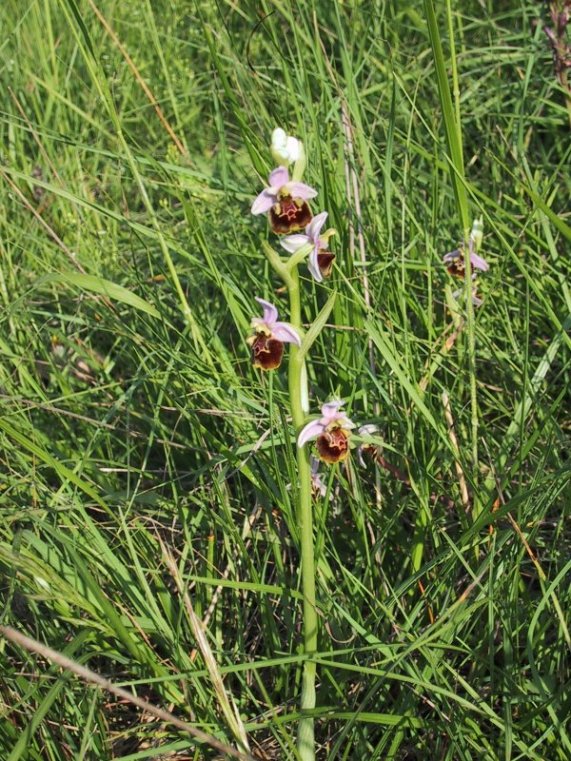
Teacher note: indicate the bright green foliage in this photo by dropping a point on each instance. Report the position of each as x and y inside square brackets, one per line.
[130, 411]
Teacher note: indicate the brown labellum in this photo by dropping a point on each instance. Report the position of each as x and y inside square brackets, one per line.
[325, 261]
[333, 446]
[289, 215]
[267, 352]
[456, 268]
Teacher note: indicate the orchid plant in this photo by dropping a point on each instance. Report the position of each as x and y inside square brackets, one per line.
[455, 262]
[285, 202]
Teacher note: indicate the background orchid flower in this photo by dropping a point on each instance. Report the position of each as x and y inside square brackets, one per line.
[320, 259]
[331, 432]
[285, 149]
[366, 431]
[454, 261]
[286, 202]
[318, 487]
[269, 337]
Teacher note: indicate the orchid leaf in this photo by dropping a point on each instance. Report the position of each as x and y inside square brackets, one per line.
[317, 326]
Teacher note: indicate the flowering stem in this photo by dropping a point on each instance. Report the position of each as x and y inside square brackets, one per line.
[279, 266]
[297, 394]
[468, 285]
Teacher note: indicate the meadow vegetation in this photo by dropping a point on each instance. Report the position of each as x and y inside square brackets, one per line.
[148, 471]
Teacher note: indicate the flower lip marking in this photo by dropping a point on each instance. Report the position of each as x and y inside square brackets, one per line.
[267, 353]
[286, 202]
[320, 259]
[333, 446]
[289, 214]
[331, 432]
[270, 335]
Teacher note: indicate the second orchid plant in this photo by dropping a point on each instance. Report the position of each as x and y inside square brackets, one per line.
[285, 201]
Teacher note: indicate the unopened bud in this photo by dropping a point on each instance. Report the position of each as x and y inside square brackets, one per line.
[477, 234]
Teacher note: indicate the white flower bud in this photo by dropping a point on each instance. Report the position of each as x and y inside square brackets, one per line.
[292, 148]
[278, 137]
[285, 149]
[477, 234]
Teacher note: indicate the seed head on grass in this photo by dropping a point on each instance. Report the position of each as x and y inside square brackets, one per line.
[560, 14]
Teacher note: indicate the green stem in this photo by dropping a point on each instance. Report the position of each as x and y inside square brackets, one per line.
[299, 166]
[279, 265]
[297, 394]
[468, 286]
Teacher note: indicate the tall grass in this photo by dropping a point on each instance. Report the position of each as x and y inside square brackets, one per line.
[135, 432]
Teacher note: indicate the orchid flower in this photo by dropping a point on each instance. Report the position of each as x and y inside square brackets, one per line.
[286, 202]
[318, 487]
[332, 432]
[269, 337]
[454, 261]
[365, 431]
[320, 259]
[285, 149]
